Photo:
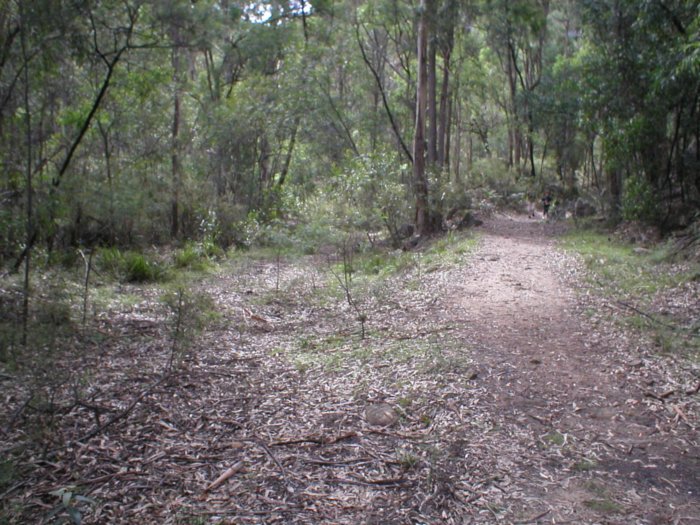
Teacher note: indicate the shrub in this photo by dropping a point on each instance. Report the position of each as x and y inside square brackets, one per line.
[131, 267]
[194, 255]
[110, 260]
[188, 257]
[639, 201]
[138, 269]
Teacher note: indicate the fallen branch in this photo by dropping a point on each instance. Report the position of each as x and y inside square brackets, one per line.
[533, 520]
[269, 453]
[125, 412]
[318, 440]
[237, 467]
[654, 319]
[369, 482]
[680, 414]
[660, 397]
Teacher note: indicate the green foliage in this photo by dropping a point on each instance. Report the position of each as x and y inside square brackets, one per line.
[70, 504]
[640, 201]
[585, 465]
[617, 266]
[192, 311]
[407, 460]
[490, 182]
[138, 268]
[369, 193]
[317, 224]
[637, 279]
[110, 261]
[189, 257]
[130, 266]
[197, 255]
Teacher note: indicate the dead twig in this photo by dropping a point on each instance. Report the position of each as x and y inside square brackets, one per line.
[654, 319]
[532, 520]
[125, 412]
[272, 456]
[236, 467]
[321, 440]
[17, 413]
[330, 463]
[370, 482]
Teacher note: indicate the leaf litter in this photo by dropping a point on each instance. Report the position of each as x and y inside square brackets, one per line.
[516, 398]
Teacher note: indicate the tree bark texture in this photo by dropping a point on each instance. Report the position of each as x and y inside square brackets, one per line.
[419, 176]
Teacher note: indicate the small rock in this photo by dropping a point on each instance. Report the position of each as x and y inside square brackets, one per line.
[536, 361]
[381, 415]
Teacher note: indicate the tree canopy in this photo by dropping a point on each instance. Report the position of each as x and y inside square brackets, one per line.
[138, 121]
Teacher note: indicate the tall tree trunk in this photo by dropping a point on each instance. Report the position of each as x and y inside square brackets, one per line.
[176, 168]
[615, 188]
[30, 235]
[448, 134]
[264, 167]
[531, 143]
[432, 103]
[513, 135]
[446, 99]
[110, 186]
[290, 151]
[419, 176]
[458, 141]
[443, 123]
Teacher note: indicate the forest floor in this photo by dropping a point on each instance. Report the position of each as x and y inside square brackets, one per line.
[492, 385]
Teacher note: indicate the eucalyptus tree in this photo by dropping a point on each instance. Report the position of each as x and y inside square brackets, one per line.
[641, 88]
[58, 62]
[518, 33]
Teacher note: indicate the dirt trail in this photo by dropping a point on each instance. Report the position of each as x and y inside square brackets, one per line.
[572, 403]
[516, 401]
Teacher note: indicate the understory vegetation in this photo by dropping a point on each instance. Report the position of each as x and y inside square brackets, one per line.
[650, 289]
[252, 191]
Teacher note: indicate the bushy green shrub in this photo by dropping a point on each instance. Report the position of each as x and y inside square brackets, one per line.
[490, 183]
[195, 255]
[188, 257]
[139, 269]
[110, 261]
[639, 201]
[370, 193]
[129, 266]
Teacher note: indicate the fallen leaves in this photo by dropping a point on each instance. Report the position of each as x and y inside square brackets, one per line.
[268, 419]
